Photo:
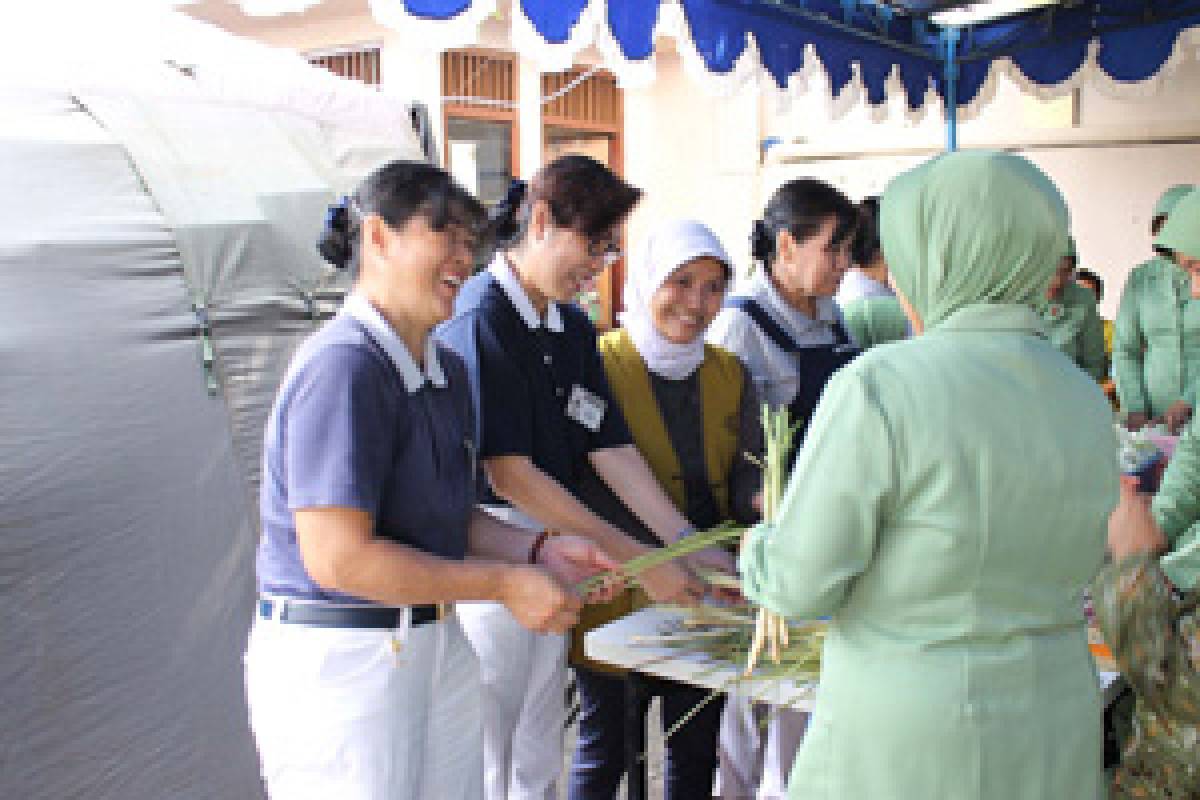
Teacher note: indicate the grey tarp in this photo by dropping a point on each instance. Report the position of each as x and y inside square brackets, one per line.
[127, 487]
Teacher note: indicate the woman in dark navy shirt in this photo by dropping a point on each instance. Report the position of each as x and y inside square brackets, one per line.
[360, 683]
[545, 415]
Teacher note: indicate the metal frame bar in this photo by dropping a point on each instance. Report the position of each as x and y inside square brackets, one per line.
[788, 9]
[950, 57]
[950, 65]
[1136, 21]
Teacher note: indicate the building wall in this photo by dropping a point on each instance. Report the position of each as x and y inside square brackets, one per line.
[696, 154]
[1110, 187]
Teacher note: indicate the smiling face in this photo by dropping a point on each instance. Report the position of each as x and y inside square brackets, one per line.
[556, 263]
[688, 301]
[421, 269]
[813, 267]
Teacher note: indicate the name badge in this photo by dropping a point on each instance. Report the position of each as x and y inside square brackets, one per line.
[586, 408]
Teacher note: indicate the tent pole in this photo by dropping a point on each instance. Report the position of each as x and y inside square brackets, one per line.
[950, 65]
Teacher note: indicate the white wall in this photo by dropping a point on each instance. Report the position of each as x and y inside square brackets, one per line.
[695, 156]
[698, 155]
[1111, 189]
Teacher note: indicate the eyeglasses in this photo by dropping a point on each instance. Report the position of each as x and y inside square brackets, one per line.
[607, 248]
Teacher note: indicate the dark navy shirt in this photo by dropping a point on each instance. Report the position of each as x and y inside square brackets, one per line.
[356, 424]
[523, 372]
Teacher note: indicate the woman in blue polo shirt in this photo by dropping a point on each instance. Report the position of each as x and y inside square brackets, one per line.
[546, 413]
[788, 331]
[360, 683]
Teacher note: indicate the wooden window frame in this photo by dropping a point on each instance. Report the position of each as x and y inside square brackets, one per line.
[612, 283]
[375, 49]
[487, 113]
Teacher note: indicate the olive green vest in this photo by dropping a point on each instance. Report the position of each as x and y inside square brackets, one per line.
[721, 379]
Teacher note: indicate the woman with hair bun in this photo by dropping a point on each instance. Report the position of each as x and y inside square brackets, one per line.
[547, 415]
[788, 331]
[939, 516]
[359, 679]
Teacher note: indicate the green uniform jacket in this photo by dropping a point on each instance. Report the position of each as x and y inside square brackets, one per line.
[1073, 324]
[875, 320]
[1156, 347]
[1156, 640]
[1177, 510]
[947, 509]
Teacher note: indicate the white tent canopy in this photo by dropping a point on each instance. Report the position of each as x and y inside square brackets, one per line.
[157, 267]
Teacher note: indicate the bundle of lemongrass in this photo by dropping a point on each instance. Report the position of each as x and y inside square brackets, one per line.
[726, 636]
[751, 631]
[694, 543]
[770, 629]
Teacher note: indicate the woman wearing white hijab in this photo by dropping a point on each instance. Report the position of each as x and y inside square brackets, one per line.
[671, 386]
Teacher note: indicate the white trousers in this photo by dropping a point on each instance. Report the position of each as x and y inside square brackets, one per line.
[757, 746]
[362, 714]
[524, 703]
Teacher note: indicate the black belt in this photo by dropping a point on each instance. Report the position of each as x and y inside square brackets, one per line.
[318, 615]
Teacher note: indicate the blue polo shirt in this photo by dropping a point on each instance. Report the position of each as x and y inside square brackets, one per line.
[524, 371]
[357, 424]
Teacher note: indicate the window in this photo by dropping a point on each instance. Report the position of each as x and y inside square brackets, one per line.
[360, 63]
[479, 96]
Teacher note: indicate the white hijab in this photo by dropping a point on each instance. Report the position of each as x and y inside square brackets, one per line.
[668, 248]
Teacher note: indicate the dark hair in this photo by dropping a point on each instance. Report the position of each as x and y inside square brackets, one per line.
[1156, 223]
[1087, 276]
[582, 194]
[398, 191]
[800, 207]
[866, 245]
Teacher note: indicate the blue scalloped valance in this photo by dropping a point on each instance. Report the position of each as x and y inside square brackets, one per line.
[1048, 45]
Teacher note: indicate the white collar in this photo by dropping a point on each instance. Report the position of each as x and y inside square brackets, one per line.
[764, 289]
[858, 285]
[358, 307]
[503, 272]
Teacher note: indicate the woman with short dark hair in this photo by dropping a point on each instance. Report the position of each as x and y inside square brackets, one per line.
[869, 307]
[546, 416]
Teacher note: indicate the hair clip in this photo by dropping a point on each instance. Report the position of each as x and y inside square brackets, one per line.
[515, 195]
[337, 216]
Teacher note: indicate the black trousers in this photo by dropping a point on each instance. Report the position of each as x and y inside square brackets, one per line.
[599, 760]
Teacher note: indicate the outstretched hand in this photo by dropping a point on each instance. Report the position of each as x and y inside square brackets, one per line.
[573, 560]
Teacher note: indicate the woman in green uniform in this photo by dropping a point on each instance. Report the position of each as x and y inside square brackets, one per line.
[1156, 347]
[938, 514]
[1177, 504]
[1071, 319]
[869, 307]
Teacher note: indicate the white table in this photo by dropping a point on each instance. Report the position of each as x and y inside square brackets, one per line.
[616, 644]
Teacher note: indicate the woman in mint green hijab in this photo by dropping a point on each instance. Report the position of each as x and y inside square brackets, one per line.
[1156, 340]
[946, 512]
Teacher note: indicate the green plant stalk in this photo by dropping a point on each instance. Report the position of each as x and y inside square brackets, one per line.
[770, 631]
[702, 540]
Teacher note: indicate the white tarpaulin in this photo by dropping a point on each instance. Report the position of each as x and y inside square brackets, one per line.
[128, 468]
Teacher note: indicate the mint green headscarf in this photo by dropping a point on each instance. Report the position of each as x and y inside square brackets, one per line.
[1170, 198]
[1181, 231]
[972, 227]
